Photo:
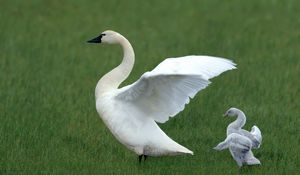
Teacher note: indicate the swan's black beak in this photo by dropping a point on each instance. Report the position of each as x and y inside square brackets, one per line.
[96, 40]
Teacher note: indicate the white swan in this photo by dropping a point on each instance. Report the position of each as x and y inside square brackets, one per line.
[131, 112]
[240, 149]
[236, 127]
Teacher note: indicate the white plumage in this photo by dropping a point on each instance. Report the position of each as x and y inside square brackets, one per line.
[164, 91]
[130, 112]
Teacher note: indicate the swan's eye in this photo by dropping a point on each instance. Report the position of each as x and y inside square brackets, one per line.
[102, 34]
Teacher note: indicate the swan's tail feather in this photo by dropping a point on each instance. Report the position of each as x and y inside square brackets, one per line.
[187, 152]
[182, 150]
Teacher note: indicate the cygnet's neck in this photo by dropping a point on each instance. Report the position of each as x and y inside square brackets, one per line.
[238, 123]
[115, 77]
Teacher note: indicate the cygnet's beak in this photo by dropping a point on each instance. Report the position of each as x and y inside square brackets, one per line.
[225, 115]
[96, 40]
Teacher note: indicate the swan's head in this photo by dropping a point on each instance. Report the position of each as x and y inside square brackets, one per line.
[107, 36]
[231, 112]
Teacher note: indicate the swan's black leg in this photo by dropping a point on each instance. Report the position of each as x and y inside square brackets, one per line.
[140, 158]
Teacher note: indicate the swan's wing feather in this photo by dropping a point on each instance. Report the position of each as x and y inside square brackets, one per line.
[164, 91]
[162, 96]
[255, 131]
[206, 66]
[255, 141]
[239, 142]
[221, 146]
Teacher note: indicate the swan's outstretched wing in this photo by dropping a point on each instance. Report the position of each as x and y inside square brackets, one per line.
[239, 142]
[255, 142]
[255, 131]
[254, 136]
[164, 91]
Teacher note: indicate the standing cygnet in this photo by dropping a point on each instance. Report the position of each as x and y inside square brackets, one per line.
[236, 127]
[240, 149]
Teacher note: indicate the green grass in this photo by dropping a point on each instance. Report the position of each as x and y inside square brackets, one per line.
[49, 124]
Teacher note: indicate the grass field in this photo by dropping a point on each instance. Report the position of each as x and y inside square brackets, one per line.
[48, 73]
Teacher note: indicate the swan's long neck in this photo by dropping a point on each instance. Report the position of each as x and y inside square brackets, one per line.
[115, 77]
[239, 122]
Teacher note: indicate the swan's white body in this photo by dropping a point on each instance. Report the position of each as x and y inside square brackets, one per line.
[131, 112]
[236, 127]
[240, 149]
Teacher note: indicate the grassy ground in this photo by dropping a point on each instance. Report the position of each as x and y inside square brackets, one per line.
[49, 124]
